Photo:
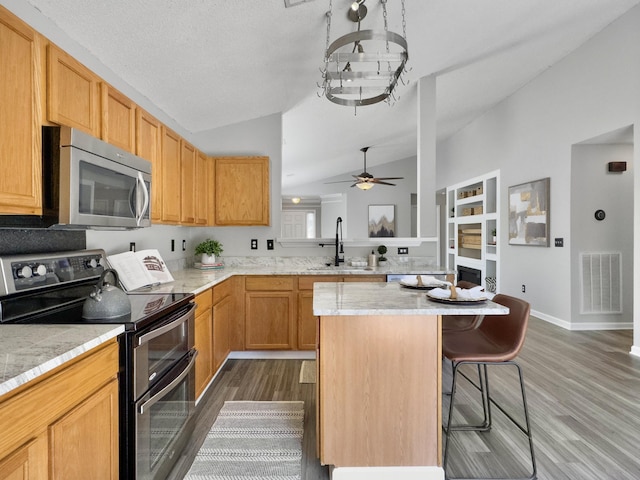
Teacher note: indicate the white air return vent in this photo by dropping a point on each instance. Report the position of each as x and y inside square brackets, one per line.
[601, 282]
[293, 3]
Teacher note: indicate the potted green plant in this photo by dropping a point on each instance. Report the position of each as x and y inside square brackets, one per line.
[208, 251]
[382, 250]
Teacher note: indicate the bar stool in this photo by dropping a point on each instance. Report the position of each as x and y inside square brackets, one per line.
[496, 341]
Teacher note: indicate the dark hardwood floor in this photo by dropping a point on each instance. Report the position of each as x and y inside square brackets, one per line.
[583, 390]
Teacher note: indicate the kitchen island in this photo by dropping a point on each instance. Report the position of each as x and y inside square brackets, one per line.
[379, 379]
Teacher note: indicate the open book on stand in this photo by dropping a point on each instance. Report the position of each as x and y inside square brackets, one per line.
[140, 269]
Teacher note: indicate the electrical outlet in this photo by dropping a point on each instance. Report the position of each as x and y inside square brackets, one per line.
[559, 242]
[524, 289]
[254, 244]
[173, 245]
[269, 244]
[403, 250]
[184, 245]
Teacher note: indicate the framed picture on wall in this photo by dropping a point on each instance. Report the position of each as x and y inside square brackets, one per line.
[529, 213]
[382, 221]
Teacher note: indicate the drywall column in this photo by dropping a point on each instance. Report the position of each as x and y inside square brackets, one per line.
[427, 157]
[635, 348]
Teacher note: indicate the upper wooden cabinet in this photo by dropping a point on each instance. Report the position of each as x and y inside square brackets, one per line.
[202, 188]
[118, 119]
[72, 92]
[242, 191]
[170, 181]
[149, 147]
[188, 172]
[20, 117]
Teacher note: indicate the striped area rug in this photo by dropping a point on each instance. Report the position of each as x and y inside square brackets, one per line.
[252, 441]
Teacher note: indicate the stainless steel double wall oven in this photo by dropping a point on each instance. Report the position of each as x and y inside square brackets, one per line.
[157, 381]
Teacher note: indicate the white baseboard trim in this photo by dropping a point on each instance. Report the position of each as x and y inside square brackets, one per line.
[582, 326]
[635, 351]
[387, 473]
[274, 354]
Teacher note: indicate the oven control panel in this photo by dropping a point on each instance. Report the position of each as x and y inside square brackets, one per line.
[33, 271]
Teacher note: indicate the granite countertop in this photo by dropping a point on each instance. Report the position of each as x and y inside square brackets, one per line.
[388, 299]
[192, 280]
[27, 351]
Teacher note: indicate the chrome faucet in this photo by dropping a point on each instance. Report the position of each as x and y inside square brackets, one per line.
[339, 246]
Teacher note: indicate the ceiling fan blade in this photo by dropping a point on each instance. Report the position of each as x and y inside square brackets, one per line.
[389, 178]
[380, 182]
[339, 181]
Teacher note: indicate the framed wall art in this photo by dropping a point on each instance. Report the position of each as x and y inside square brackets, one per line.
[529, 213]
[382, 221]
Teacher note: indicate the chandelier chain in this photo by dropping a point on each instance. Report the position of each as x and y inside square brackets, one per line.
[404, 22]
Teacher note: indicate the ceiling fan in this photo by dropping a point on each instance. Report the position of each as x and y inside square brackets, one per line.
[365, 180]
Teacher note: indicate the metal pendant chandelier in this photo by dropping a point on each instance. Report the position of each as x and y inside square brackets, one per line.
[363, 67]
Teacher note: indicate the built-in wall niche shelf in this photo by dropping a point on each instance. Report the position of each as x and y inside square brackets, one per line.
[473, 207]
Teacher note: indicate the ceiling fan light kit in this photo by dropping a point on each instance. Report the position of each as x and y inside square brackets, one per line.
[364, 67]
[365, 180]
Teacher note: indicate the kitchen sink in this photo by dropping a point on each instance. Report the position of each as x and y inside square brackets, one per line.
[339, 268]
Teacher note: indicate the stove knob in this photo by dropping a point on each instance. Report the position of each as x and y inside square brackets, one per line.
[24, 272]
[92, 263]
[40, 270]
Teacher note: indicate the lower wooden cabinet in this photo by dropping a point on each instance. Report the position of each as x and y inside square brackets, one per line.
[204, 341]
[306, 319]
[270, 313]
[64, 426]
[213, 316]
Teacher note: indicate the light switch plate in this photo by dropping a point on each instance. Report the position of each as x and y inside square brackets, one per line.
[269, 244]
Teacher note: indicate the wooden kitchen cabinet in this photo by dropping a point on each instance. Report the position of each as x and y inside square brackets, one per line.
[84, 443]
[242, 191]
[204, 341]
[270, 313]
[222, 312]
[72, 92]
[149, 147]
[171, 175]
[307, 321]
[50, 430]
[118, 119]
[20, 117]
[202, 185]
[188, 182]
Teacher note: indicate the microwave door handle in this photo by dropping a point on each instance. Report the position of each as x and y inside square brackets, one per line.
[149, 403]
[140, 213]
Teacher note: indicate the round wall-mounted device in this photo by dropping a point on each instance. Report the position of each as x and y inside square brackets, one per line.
[599, 215]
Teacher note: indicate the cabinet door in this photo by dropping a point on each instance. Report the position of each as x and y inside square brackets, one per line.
[306, 321]
[170, 176]
[118, 119]
[72, 92]
[84, 443]
[221, 318]
[242, 191]
[202, 189]
[148, 146]
[28, 462]
[204, 344]
[20, 133]
[269, 320]
[188, 172]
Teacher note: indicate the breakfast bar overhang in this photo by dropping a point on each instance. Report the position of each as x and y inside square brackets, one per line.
[379, 379]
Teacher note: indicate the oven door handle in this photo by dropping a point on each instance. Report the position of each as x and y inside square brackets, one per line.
[149, 403]
[165, 328]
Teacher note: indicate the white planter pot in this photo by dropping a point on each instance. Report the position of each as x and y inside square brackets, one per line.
[208, 259]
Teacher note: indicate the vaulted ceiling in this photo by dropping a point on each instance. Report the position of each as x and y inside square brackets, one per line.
[210, 63]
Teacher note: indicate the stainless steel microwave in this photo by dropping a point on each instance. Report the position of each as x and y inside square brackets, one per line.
[88, 183]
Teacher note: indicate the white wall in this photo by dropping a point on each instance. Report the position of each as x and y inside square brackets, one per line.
[529, 136]
[593, 188]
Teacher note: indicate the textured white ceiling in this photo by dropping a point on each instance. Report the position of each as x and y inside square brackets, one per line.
[209, 63]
